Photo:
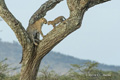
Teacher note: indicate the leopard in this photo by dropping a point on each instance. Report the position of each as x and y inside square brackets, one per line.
[56, 21]
[34, 30]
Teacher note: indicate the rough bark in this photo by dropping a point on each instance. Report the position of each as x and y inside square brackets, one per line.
[14, 24]
[32, 55]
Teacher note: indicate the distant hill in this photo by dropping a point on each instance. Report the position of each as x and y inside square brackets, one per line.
[57, 61]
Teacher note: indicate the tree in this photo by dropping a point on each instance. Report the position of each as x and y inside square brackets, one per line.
[32, 55]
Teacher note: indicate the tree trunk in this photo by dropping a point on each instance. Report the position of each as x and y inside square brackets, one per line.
[30, 70]
[30, 64]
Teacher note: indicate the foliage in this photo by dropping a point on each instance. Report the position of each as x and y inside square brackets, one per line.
[3, 69]
[88, 71]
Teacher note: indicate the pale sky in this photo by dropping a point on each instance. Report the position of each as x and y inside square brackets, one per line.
[98, 38]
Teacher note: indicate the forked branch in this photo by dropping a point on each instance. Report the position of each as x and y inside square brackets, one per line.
[77, 9]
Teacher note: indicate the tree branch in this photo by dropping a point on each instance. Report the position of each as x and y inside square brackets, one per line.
[77, 10]
[14, 24]
[41, 12]
[95, 2]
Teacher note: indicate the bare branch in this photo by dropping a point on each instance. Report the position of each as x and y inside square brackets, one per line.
[41, 12]
[95, 2]
[14, 24]
[77, 6]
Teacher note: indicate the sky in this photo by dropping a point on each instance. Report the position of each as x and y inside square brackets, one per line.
[98, 39]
